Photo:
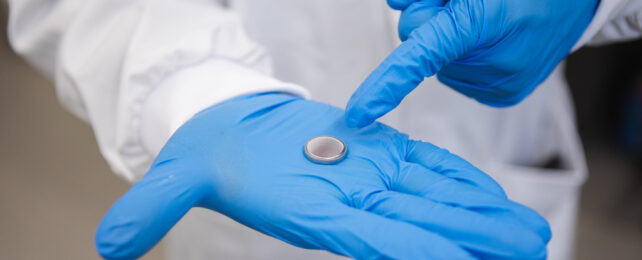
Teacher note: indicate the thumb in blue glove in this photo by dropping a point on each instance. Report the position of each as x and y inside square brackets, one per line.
[389, 198]
[495, 51]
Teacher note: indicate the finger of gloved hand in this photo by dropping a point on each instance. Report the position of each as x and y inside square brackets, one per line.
[141, 217]
[363, 235]
[484, 236]
[404, 4]
[417, 180]
[442, 161]
[417, 14]
[487, 90]
[427, 50]
[400, 4]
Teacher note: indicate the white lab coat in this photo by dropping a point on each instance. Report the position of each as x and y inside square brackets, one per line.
[137, 70]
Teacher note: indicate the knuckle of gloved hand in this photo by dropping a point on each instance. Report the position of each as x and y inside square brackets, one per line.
[530, 219]
[513, 95]
[527, 245]
[511, 65]
[510, 241]
[541, 227]
[494, 93]
[494, 97]
[414, 16]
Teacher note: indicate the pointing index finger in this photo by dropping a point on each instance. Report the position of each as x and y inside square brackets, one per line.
[428, 48]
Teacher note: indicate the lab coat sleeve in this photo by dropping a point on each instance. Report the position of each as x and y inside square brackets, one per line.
[138, 69]
[614, 21]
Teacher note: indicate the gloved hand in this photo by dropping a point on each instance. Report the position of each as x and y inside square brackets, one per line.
[389, 198]
[495, 51]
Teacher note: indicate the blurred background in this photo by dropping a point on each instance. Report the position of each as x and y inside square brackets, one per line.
[55, 186]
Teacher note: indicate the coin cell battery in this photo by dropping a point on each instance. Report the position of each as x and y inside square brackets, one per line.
[325, 150]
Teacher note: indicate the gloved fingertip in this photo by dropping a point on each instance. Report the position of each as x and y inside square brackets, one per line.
[399, 4]
[498, 103]
[403, 34]
[356, 121]
[116, 241]
[542, 228]
[531, 248]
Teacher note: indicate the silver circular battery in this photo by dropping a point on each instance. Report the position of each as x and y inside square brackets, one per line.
[325, 150]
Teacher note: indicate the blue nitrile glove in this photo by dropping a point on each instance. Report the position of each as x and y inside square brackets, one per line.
[391, 197]
[495, 51]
